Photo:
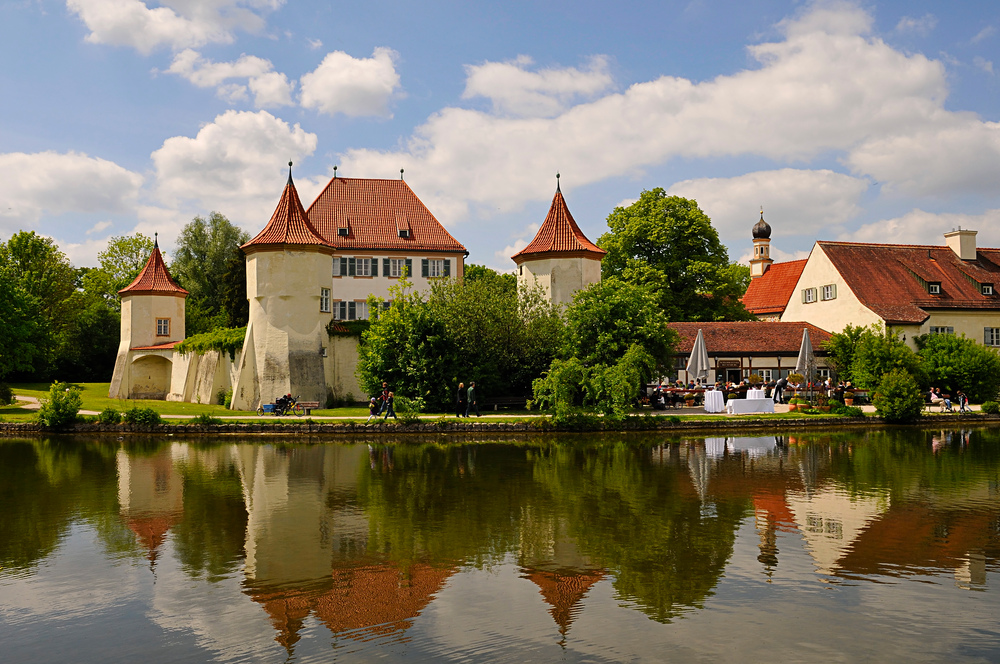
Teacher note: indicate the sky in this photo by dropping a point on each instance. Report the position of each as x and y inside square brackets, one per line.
[875, 122]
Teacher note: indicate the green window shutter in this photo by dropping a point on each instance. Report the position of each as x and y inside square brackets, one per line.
[833, 295]
[352, 310]
[447, 267]
[424, 269]
[374, 267]
[385, 267]
[342, 307]
[343, 267]
[409, 268]
[803, 296]
[351, 267]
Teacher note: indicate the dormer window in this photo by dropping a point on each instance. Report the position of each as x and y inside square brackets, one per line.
[404, 232]
[987, 289]
[934, 287]
[342, 232]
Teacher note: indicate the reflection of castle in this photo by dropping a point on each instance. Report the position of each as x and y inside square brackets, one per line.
[150, 495]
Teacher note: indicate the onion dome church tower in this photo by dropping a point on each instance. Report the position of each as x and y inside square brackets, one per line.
[761, 248]
[561, 259]
[288, 285]
[152, 323]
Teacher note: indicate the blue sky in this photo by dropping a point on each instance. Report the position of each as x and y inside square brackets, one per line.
[867, 122]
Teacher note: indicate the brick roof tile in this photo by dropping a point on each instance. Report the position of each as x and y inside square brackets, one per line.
[154, 279]
[288, 225]
[769, 294]
[559, 233]
[375, 210]
[749, 337]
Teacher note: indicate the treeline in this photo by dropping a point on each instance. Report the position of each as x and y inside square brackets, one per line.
[61, 322]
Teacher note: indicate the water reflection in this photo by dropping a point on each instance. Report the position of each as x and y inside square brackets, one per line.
[362, 539]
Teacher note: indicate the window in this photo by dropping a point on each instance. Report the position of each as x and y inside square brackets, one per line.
[987, 289]
[934, 287]
[520, 270]
[324, 299]
[435, 267]
[404, 232]
[340, 310]
[991, 337]
[808, 295]
[163, 327]
[823, 374]
[396, 267]
[830, 292]
[361, 310]
[336, 266]
[342, 232]
[942, 330]
[765, 375]
[363, 267]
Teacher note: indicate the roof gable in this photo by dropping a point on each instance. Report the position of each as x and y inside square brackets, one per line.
[288, 225]
[749, 337]
[559, 234]
[375, 211]
[154, 279]
[769, 293]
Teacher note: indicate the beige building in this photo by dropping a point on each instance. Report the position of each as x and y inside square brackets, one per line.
[912, 289]
[560, 258]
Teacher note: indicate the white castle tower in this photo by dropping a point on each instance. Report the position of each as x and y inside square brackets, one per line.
[560, 258]
[152, 324]
[761, 248]
[288, 285]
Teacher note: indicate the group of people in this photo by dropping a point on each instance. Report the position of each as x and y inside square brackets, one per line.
[944, 400]
[381, 404]
[465, 400]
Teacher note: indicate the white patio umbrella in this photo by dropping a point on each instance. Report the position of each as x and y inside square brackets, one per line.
[806, 363]
[697, 365]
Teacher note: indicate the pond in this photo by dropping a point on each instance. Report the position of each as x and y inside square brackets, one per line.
[847, 546]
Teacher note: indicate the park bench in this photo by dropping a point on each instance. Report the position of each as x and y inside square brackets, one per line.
[506, 402]
[929, 405]
[309, 406]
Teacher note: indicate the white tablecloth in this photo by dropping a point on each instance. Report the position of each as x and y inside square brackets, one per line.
[755, 394]
[714, 402]
[737, 406]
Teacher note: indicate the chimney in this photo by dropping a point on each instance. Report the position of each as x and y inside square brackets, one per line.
[963, 243]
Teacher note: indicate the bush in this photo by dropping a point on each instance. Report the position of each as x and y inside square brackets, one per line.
[142, 416]
[408, 409]
[991, 407]
[110, 415]
[205, 418]
[61, 406]
[847, 411]
[898, 398]
[6, 395]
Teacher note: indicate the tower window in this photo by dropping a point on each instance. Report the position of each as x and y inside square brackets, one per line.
[163, 327]
[324, 300]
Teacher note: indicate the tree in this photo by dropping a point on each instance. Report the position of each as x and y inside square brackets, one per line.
[120, 264]
[233, 290]
[958, 363]
[201, 263]
[669, 244]
[20, 326]
[879, 351]
[898, 397]
[475, 272]
[841, 347]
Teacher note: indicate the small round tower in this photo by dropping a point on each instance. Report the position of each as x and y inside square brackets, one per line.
[761, 248]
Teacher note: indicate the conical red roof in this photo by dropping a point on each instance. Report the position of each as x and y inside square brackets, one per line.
[288, 225]
[559, 234]
[154, 279]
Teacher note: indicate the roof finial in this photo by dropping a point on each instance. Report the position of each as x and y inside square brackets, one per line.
[558, 190]
[289, 172]
[156, 242]
[401, 174]
[334, 172]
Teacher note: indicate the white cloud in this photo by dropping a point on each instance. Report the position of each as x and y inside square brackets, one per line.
[175, 23]
[315, 44]
[828, 86]
[352, 86]
[545, 93]
[919, 227]
[985, 33]
[236, 165]
[777, 255]
[921, 26]
[796, 202]
[983, 63]
[98, 227]
[54, 183]
[269, 87]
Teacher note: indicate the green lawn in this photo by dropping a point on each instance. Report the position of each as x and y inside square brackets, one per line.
[95, 397]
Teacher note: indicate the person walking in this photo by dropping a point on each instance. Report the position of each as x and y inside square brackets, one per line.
[963, 402]
[384, 398]
[373, 409]
[460, 401]
[472, 403]
[387, 407]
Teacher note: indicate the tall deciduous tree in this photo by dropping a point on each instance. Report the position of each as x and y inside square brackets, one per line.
[958, 363]
[669, 244]
[120, 264]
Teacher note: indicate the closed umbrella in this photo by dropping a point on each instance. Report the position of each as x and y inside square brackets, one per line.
[697, 365]
[806, 363]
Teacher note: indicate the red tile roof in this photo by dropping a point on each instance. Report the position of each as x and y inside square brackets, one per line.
[749, 338]
[559, 234]
[288, 225]
[154, 279]
[167, 346]
[563, 590]
[374, 211]
[886, 278]
[769, 294]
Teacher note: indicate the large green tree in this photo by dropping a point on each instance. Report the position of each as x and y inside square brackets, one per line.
[668, 244]
[120, 263]
[955, 363]
[203, 262]
[879, 351]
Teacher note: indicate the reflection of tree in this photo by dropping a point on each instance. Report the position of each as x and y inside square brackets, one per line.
[642, 522]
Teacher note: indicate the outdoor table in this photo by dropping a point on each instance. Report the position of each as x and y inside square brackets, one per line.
[737, 406]
[714, 402]
[755, 394]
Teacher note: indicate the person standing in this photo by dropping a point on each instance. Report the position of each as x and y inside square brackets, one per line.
[779, 389]
[472, 403]
[460, 401]
[387, 407]
[384, 396]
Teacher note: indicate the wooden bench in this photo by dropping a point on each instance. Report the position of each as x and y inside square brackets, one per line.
[506, 402]
[309, 406]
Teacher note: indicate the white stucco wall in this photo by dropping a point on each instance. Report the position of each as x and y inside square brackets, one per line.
[830, 315]
[560, 277]
[138, 328]
[356, 288]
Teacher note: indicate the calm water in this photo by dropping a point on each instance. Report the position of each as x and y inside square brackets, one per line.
[823, 547]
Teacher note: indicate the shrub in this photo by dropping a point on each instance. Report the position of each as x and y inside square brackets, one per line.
[61, 406]
[991, 407]
[847, 411]
[795, 378]
[898, 398]
[408, 409]
[205, 418]
[142, 416]
[110, 415]
[6, 395]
